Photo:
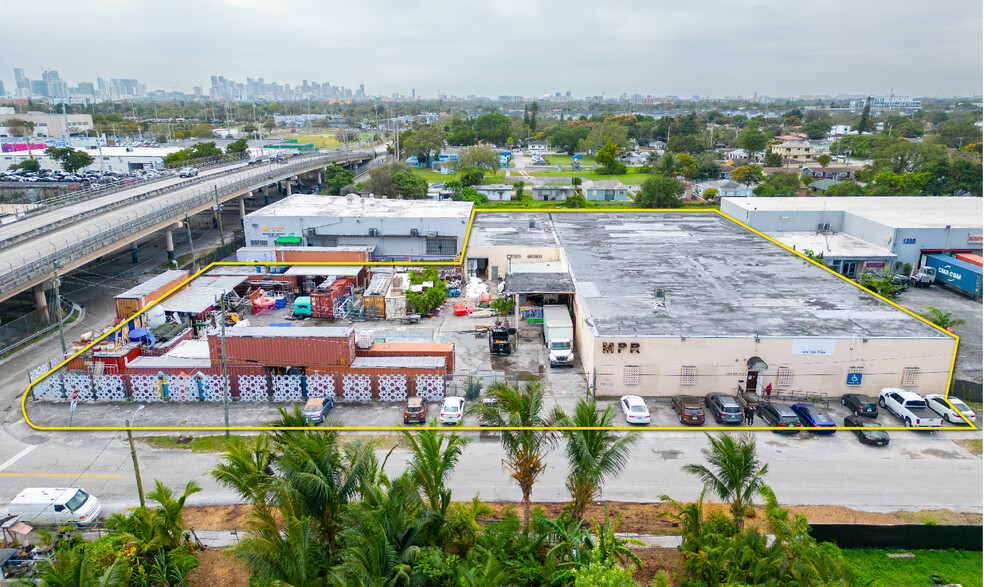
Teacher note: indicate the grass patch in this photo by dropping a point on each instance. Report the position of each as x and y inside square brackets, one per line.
[979, 408]
[974, 445]
[566, 160]
[436, 176]
[955, 566]
[216, 443]
[319, 141]
[631, 178]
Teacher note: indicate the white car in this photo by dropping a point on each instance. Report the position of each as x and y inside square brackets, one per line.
[938, 404]
[188, 172]
[635, 410]
[452, 410]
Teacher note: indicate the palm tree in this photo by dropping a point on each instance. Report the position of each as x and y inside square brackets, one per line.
[735, 474]
[668, 165]
[432, 463]
[290, 554]
[75, 567]
[943, 319]
[167, 521]
[248, 469]
[595, 453]
[518, 411]
[464, 524]
[609, 549]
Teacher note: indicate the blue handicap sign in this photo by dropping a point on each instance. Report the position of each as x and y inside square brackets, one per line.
[854, 378]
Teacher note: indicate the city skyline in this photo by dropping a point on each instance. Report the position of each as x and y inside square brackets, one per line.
[514, 48]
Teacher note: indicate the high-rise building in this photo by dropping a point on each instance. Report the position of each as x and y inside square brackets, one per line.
[2, 92]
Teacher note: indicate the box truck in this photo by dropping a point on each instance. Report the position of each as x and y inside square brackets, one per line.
[558, 335]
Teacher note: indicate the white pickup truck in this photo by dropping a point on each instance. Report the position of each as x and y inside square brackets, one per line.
[909, 407]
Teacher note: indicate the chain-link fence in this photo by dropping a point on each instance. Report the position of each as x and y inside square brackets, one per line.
[33, 325]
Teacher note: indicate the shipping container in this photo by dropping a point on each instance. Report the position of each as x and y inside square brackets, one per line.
[137, 298]
[955, 273]
[374, 297]
[344, 255]
[322, 305]
[285, 347]
[412, 349]
[970, 258]
[396, 300]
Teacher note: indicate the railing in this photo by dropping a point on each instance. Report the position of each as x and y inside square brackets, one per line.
[40, 267]
[62, 202]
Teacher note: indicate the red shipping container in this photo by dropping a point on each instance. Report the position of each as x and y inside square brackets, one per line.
[970, 258]
[322, 305]
[285, 347]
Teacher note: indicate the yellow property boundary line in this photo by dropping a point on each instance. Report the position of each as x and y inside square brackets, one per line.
[461, 261]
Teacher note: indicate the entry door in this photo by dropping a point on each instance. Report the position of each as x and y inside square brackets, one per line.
[849, 268]
[751, 381]
[495, 272]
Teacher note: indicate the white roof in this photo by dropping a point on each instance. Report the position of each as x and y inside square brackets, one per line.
[897, 212]
[324, 270]
[355, 207]
[166, 362]
[153, 284]
[193, 300]
[219, 282]
[831, 245]
[190, 349]
[398, 362]
[45, 494]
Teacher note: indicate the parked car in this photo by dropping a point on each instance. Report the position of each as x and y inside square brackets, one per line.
[688, 409]
[780, 416]
[950, 408]
[724, 408]
[316, 409]
[635, 410]
[860, 404]
[909, 407]
[415, 411]
[487, 401]
[815, 417]
[870, 433]
[452, 410]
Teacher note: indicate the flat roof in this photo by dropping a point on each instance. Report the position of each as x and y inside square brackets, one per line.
[219, 282]
[831, 245]
[193, 300]
[153, 284]
[293, 332]
[398, 362]
[190, 349]
[533, 283]
[512, 230]
[324, 270]
[355, 207]
[166, 362]
[897, 212]
[718, 279]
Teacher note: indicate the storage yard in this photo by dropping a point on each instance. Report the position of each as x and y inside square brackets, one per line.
[661, 304]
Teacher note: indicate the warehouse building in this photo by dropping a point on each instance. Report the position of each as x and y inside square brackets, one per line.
[669, 303]
[898, 230]
[397, 229]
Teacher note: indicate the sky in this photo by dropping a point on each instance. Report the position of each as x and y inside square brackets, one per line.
[516, 47]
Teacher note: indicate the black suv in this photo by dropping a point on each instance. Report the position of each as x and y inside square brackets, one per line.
[859, 404]
[724, 408]
[779, 416]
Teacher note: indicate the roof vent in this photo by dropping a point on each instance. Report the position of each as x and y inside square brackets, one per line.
[660, 298]
[350, 198]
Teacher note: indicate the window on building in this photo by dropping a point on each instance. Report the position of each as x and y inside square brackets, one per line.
[688, 375]
[534, 256]
[322, 240]
[631, 375]
[784, 376]
[253, 243]
[442, 245]
[910, 376]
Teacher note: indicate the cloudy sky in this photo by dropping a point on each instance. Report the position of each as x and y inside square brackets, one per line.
[520, 47]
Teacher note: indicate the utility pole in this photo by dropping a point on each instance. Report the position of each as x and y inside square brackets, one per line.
[136, 467]
[61, 329]
[218, 214]
[191, 242]
[68, 135]
[225, 373]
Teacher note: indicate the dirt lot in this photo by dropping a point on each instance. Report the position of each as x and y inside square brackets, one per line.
[640, 518]
[217, 568]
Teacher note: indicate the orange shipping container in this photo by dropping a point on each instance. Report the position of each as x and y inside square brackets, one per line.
[412, 349]
[970, 258]
[137, 298]
[272, 346]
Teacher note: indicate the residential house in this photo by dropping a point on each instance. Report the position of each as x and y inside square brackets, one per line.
[795, 152]
[635, 157]
[822, 185]
[539, 146]
[552, 192]
[726, 189]
[790, 138]
[605, 191]
[839, 173]
[734, 154]
[499, 192]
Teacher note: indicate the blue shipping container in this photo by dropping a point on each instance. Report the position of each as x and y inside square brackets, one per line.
[954, 272]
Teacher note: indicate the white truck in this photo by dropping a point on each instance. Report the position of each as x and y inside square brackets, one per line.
[909, 407]
[55, 505]
[558, 334]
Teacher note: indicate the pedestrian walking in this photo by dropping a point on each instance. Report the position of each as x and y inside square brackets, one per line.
[749, 415]
[768, 392]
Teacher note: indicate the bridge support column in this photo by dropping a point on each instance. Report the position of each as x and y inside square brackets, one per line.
[321, 176]
[169, 244]
[40, 299]
[288, 182]
[134, 255]
[266, 195]
[242, 205]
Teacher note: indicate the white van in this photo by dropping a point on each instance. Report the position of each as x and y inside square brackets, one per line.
[55, 505]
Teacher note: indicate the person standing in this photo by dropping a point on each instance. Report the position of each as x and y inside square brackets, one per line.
[749, 415]
[768, 392]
